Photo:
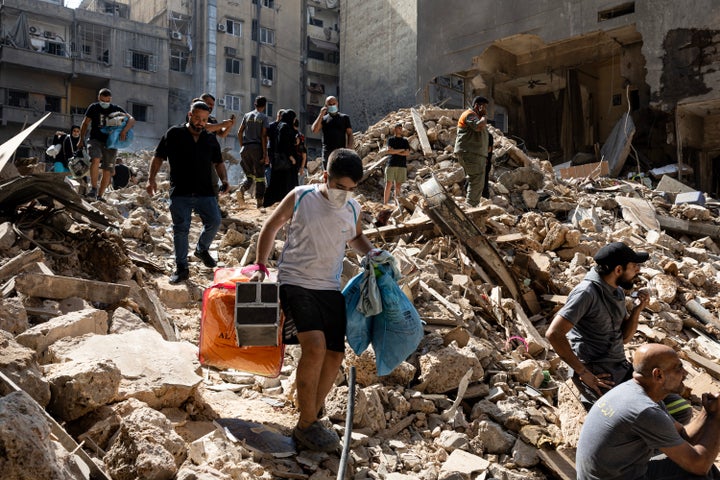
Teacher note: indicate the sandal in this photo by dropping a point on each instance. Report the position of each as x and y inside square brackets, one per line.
[317, 438]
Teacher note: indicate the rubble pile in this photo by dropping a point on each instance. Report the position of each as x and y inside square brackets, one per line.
[92, 333]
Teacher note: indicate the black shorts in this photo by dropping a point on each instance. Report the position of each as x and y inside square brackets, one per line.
[309, 310]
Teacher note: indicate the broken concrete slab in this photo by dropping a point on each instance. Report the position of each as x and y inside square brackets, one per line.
[74, 324]
[20, 364]
[155, 371]
[60, 287]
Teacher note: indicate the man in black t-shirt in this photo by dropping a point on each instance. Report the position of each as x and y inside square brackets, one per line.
[97, 116]
[336, 129]
[191, 152]
[396, 169]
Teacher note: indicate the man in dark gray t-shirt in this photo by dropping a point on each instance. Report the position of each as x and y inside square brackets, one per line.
[588, 333]
[625, 428]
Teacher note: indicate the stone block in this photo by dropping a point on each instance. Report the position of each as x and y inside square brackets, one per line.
[20, 364]
[79, 388]
[494, 437]
[13, 317]
[442, 370]
[174, 296]
[7, 236]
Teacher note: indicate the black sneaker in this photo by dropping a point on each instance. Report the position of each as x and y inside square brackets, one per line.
[180, 275]
[92, 193]
[206, 258]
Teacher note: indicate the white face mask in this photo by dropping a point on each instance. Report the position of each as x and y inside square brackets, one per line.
[104, 104]
[338, 197]
[332, 109]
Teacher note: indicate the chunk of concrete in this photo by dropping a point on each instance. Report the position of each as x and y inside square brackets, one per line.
[451, 440]
[442, 370]
[463, 462]
[158, 372]
[13, 317]
[29, 450]
[20, 364]
[494, 437]
[123, 320]
[73, 324]
[174, 296]
[145, 446]
[7, 236]
[524, 455]
[79, 388]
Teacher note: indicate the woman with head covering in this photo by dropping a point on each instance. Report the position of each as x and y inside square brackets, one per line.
[285, 162]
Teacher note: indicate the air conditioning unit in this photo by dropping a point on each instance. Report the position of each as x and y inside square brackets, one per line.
[49, 34]
[267, 82]
[221, 27]
[176, 35]
[230, 51]
[220, 102]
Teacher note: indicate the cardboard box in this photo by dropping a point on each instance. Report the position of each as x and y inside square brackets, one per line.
[257, 314]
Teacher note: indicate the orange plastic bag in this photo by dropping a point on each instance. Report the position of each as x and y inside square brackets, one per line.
[218, 339]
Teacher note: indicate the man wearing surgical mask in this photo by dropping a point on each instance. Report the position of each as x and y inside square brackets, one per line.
[336, 129]
[321, 220]
[103, 158]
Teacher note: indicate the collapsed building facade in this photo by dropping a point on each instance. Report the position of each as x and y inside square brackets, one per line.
[559, 74]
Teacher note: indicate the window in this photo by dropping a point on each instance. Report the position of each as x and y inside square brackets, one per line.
[233, 65]
[52, 104]
[254, 67]
[270, 109]
[140, 112]
[233, 27]
[141, 61]
[267, 72]
[16, 98]
[233, 102]
[315, 21]
[178, 60]
[265, 35]
[265, 3]
[92, 43]
[316, 55]
[55, 48]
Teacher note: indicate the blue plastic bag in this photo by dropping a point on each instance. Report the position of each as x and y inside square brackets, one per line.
[397, 330]
[113, 140]
[359, 326]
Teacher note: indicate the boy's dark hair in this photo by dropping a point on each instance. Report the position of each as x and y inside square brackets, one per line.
[104, 92]
[260, 101]
[200, 106]
[74, 127]
[344, 162]
[207, 95]
[603, 269]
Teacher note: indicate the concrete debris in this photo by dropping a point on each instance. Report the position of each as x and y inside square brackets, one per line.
[92, 330]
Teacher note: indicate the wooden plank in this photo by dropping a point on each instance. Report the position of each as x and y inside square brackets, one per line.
[62, 436]
[592, 170]
[156, 313]
[509, 237]
[638, 211]
[689, 227]
[453, 308]
[59, 287]
[559, 299]
[532, 336]
[13, 266]
[419, 224]
[559, 461]
[421, 133]
[374, 166]
[709, 365]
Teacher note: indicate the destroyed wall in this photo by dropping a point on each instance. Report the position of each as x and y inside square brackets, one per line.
[377, 58]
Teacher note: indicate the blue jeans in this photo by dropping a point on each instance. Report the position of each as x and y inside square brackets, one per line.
[181, 208]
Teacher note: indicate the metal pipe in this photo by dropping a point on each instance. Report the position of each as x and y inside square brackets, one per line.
[348, 424]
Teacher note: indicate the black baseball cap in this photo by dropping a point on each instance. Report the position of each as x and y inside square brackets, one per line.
[617, 253]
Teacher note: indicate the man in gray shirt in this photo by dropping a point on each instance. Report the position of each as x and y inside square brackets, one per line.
[588, 333]
[627, 425]
[252, 136]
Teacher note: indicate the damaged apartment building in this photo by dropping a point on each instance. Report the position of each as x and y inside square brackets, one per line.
[157, 56]
[560, 74]
[55, 59]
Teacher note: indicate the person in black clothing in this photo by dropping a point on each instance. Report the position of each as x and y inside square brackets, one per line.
[68, 146]
[123, 175]
[271, 133]
[97, 116]
[301, 150]
[285, 163]
[191, 151]
[336, 129]
[396, 169]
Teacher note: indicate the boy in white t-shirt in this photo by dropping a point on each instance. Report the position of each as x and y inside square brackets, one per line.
[323, 220]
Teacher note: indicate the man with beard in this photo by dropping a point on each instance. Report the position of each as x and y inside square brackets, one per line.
[589, 331]
[628, 424]
[336, 129]
[191, 151]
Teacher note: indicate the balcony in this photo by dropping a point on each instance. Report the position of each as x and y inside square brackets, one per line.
[322, 67]
[327, 34]
[36, 60]
[20, 115]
